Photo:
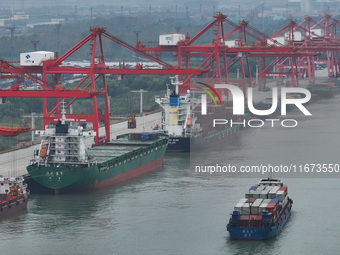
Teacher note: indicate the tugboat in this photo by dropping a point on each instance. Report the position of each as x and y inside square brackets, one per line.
[187, 129]
[13, 196]
[262, 213]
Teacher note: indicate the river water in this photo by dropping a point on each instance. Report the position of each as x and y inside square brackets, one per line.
[179, 211]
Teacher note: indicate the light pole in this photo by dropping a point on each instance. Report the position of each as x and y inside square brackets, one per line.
[33, 125]
[137, 34]
[12, 45]
[141, 91]
[262, 5]
[257, 74]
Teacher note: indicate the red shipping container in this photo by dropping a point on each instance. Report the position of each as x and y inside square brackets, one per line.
[271, 208]
[244, 221]
[255, 221]
[257, 217]
[285, 188]
[250, 221]
[251, 217]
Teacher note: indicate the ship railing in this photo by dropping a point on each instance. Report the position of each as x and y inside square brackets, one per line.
[66, 154]
[64, 134]
[67, 163]
[65, 142]
[42, 162]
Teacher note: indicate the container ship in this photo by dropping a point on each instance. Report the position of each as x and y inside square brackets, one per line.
[63, 163]
[13, 196]
[186, 127]
[262, 213]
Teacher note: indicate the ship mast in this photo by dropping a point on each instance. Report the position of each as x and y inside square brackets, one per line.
[176, 82]
[63, 112]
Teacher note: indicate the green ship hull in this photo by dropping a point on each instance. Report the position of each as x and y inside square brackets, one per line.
[110, 163]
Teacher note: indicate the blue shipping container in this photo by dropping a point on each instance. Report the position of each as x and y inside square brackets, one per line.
[274, 200]
[144, 136]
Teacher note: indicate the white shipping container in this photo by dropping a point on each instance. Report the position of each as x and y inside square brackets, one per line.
[238, 207]
[245, 209]
[284, 200]
[298, 36]
[243, 200]
[231, 43]
[250, 193]
[272, 196]
[35, 58]
[272, 192]
[262, 207]
[257, 202]
[260, 188]
[257, 194]
[171, 39]
[278, 41]
[317, 32]
[264, 194]
[267, 201]
[254, 209]
[280, 195]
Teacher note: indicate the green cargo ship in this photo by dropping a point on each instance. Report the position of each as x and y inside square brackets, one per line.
[63, 163]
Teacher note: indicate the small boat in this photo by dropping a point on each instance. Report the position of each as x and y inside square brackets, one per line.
[13, 196]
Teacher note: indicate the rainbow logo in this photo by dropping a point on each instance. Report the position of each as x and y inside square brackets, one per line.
[209, 93]
[204, 97]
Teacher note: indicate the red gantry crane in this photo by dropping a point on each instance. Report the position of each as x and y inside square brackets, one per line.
[281, 55]
[317, 37]
[233, 43]
[86, 88]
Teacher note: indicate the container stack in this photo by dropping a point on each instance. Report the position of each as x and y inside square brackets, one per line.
[260, 200]
[143, 136]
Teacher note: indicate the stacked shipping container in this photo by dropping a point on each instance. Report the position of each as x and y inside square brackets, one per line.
[259, 199]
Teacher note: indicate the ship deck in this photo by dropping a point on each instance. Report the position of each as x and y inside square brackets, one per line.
[117, 148]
